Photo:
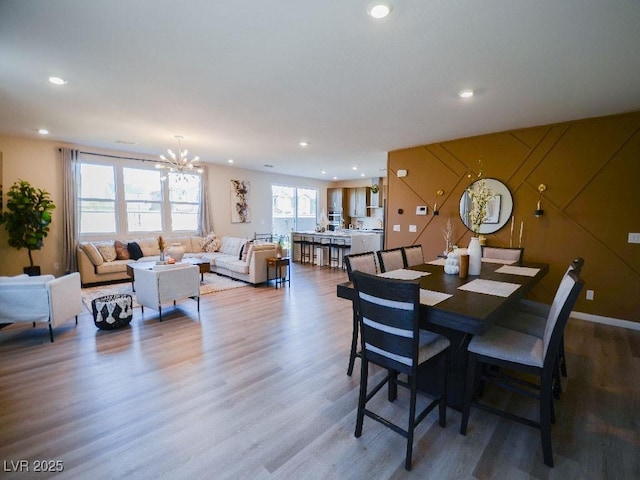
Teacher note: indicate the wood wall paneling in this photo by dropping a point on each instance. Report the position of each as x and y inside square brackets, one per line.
[592, 172]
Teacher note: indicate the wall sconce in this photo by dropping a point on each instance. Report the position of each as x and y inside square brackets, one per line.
[538, 212]
[439, 193]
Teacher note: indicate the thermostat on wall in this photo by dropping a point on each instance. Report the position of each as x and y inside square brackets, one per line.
[421, 210]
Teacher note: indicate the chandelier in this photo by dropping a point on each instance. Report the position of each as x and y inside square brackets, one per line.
[178, 162]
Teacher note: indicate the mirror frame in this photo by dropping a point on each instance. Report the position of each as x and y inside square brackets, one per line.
[505, 206]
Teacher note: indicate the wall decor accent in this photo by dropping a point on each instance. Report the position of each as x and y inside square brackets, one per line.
[240, 208]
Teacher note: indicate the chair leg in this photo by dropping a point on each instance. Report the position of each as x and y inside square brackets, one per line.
[393, 386]
[557, 383]
[354, 345]
[563, 358]
[444, 367]
[76, 319]
[362, 398]
[545, 418]
[51, 332]
[469, 387]
[412, 421]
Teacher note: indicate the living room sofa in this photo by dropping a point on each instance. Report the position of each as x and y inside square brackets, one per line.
[233, 257]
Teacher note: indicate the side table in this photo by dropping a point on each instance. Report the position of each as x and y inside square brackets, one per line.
[277, 264]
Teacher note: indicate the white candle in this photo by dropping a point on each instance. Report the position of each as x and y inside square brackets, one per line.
[521, 227]
[511, 234]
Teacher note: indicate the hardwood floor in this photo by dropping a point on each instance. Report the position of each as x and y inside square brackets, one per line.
[256, 388]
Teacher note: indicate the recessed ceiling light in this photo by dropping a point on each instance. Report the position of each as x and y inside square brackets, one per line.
[465, 93]
[57, 80]
[335, 178]
[43, 131]
[379, 9]
[362, 174]
[304, 144]
[230, 160]
[323, 172]
[354, 168]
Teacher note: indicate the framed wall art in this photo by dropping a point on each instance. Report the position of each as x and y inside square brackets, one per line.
[240, 206]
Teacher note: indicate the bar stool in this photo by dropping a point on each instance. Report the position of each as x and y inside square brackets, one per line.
[297, 240]
[307, 253]
[325, 245]
[337, 252]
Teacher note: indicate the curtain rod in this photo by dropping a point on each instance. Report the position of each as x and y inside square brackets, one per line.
[113, 156]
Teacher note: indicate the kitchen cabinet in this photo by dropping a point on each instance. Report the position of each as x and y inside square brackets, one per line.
[335, 199]
[359, 198]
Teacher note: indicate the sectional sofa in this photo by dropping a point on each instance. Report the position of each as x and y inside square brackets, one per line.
[239, 258]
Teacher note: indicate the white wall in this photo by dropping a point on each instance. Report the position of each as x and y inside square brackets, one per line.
[260, 198]
[39, 162]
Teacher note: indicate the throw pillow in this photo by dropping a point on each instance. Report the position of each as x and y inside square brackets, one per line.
[122, 252]
[135, 252]
[244, 251]
[211, 243]
[107, 250]
[93, 253]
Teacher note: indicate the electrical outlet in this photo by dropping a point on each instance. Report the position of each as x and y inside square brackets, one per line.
[634, 238]
[56, 266]
[589, 294]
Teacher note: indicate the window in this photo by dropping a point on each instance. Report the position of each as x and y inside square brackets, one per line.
[184, 197]
[293, 209]
[97, 199]
[143, 197]
[119, 196]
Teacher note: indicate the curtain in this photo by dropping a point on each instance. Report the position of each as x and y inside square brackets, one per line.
[70, 192]
[205, 224]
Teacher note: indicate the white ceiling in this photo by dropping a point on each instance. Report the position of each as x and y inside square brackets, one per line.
[249, 79]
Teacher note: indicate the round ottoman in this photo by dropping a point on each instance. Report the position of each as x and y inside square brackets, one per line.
[112, 311]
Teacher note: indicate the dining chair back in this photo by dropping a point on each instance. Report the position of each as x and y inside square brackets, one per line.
[513, 255]
[520, 352]
[413, 255]
[358, 262]
[388, 311]
[361, 262]
[533, 321]
[391, 259]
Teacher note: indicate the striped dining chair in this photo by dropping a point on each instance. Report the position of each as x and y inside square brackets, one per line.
[413, 255]
[358, 262]
[388, 311]
[391, 259]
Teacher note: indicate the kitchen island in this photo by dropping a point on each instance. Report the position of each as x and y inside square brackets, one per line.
[357, 241]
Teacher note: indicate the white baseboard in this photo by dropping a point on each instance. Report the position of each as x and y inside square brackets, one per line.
[615, 322]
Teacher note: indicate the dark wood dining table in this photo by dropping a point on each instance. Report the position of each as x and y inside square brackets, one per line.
[462, 315]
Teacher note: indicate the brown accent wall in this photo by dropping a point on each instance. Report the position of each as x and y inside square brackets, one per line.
[592, 172]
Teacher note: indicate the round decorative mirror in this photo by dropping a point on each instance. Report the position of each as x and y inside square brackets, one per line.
[499, 206]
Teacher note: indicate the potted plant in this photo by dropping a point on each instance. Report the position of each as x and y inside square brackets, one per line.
[27, 219]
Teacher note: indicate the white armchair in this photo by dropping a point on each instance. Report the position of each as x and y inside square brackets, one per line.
[167, 283]
[44, 298]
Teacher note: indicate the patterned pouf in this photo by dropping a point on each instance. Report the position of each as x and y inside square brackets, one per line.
[112, 311]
